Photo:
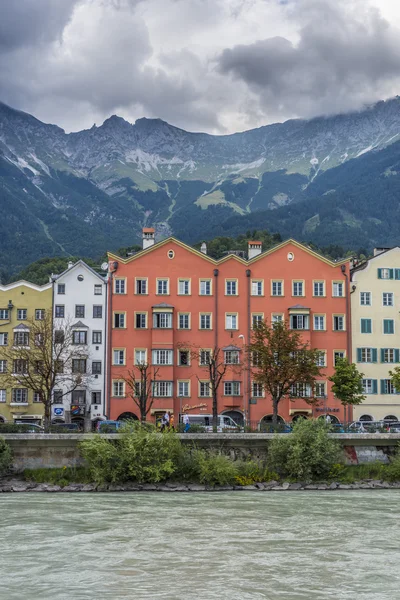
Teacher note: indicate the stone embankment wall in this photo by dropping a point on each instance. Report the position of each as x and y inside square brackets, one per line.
[34, 451]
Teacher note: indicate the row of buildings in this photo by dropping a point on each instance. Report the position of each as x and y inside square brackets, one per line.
[169, 305]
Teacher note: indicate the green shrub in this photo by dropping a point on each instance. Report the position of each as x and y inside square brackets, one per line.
[393, 469]
[305, 455]
[5, 458]
[62, 476]
[215, 468]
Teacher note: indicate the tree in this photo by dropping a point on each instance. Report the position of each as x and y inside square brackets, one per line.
[140, 386]
[347, 384]
[40, 357]
[281, 360]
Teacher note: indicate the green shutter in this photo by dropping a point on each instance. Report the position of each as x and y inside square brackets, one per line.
[374, 355]
[363, 325]
[391, 273]
[383, 355]
[358, 354]
[368, 325]
[388, 326]
[382, 386]
[397, 355]
[397, 273]
[374, 386]
[379, 273]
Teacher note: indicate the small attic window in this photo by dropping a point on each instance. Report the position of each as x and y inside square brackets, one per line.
[171, 254]
[80, 278]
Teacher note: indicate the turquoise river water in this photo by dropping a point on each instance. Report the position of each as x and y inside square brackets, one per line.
[342, 545]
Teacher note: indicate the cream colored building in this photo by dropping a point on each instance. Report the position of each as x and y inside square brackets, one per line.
[375, 316]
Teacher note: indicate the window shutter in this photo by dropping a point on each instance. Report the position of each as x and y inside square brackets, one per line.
[374, 355]
[391, 273]
[362, 325]
[379, 273]
[374, 386]
[382, 386]
[397, 273]
[383, 354]
[396, 355]
[358, 354]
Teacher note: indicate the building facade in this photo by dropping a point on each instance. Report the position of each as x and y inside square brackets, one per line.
[375, 302]
[80, 306]
[170, 304]
[20, 303]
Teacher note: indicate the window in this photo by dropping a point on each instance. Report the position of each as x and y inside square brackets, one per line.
[184, 320]
[39, 339]
[97, 311]
[231, 321]
[96, 398]
[3, 395]
[337, 355]
[277, 288]
[80, 311]
[119, 389]
[256, 359]
[367, 355]
[319, 288]
[39, 314]
[320, 389]
[21, 338]
[59, 311]
[22, 314]
[96, 337]
[370, 386]
[338, 322]
[79, 337]
[390, 355]
[162, 320]
[301, 390]
[183, 389]
[79, 365]
[256, 319]
[58, 397]
[183, 358]
[4, 314]
[162, 287]
[141, 320]
[141, 286]
[388, 326]
[59, 336]
[204, 389]
[257, 287]
[162, 357]
[365, 298]
[232, 388]
[277, 318]
[338, 289]
[96, 367]
[118, 357]
[321, 359]
[299, 321]
[298, 288]
[387, 387]
[232, 357]
[162, 389]
[204, 357]
[231, 287]
[78, 397]
[385, 273]
[19, 396]
[387, 298]
[61, 289]
[20, 366]
[184, 287]
[366, 325]
[119, 320]
[3, 366]
[119, 286]
[319, 322]
[59, 366]
[205, 321]
[256, 390]
[3, 339]
[37, 397]
[140, 356]
[98, 289]
[205, 287]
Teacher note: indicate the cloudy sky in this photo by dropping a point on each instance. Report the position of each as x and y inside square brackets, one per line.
[203, 65]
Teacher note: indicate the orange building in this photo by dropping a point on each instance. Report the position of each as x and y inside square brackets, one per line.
[170, 305]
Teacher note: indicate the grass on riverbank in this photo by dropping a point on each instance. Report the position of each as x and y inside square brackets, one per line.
[61, 477]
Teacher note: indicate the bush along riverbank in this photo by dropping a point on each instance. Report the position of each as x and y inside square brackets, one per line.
[144, 460]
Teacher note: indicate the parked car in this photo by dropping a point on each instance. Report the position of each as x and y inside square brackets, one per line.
[61, 427]
[29, 427]
[224, 423]
[109, 426]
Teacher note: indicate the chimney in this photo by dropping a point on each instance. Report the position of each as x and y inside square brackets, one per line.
[70, 264]
[203, 248]
[380, 250]
[148, 236]
[254, 249]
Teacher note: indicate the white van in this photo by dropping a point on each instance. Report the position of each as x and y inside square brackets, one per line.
[224, 423]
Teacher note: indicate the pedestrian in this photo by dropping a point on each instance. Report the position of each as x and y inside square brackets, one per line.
[172, 422]
[185, 421]
[165, 421]
[328, 419]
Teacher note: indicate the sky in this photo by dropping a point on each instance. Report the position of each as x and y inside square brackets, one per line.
[218, 66]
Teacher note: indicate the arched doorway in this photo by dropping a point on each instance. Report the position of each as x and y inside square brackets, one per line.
[127, 416]
[2, 419]
[366, 418]
[299, 417]
[332, 417]
[80, 422]
[266, 423]
[236, 415]
[390, 418]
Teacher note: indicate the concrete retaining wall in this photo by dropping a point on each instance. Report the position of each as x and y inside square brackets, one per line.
[33, 451]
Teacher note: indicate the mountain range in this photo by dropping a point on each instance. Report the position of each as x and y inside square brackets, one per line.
[326, 180]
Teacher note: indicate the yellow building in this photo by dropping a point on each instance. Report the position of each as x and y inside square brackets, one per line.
[20, 302]
[375, 307]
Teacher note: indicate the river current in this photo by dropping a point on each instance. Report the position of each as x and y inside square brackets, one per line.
[342, 545]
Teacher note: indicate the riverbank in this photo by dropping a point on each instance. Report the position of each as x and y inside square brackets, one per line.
[14, 485]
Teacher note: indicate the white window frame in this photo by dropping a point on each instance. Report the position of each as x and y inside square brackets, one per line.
[365, 296]
[298, 286]
[161, 357]
[231, 321]
[184, 287]
[162, 286]
[231, 287]
[120, 285]
[257, 287]
[205, 284]
[120, 354]
[388, 295]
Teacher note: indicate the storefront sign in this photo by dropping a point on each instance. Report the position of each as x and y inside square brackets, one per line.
[77, 409]
[201, 406]
[327, 409]
[58, 412]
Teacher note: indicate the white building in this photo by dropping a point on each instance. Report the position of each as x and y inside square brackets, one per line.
[80, 303]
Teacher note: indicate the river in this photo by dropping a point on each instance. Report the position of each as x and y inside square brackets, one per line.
[226, 545]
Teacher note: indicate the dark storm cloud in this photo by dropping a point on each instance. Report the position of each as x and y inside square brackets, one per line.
[342, 58]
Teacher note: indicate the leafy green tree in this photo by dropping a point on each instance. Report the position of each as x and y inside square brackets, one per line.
[280, 360]
[395, 377]
[347, 383]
